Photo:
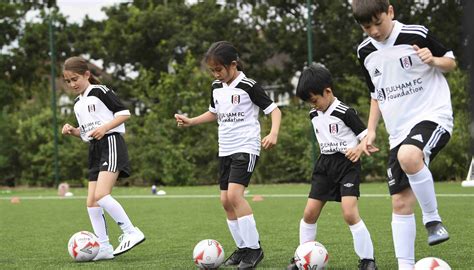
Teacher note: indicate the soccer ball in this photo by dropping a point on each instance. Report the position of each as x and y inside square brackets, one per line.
[311, 255]
[431, 263]
[208, 254]
[83, 246]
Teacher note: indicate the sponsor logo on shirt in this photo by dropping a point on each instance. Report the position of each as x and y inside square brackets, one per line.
[403, 89]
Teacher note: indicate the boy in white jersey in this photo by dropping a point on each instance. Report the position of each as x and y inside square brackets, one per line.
[235, 104]
[336, 174]
[403, 65]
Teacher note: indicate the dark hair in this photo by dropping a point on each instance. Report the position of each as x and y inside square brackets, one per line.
[79, 65]
[366, 10]
[313, 80]
[223, 52]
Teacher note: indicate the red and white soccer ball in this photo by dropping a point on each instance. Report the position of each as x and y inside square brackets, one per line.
[208, 254]
[432, 263]
[83, 246]
[311, 255]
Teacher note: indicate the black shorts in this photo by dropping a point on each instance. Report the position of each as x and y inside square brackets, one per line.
[236, 168]
[335, 176]
[108, 154]
[426, 135]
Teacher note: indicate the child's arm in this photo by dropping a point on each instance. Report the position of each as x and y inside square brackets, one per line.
[374, 116]
[99, 132]
[445, 64]
[271, 139]
[184, 121]
[70, 130]
[353, 154]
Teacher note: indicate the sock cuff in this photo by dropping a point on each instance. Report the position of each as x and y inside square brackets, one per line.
[307, 225]
[420, 173]
[397, 217]
[248, 217]
[232, 222]
[104, 199]
[359, 225]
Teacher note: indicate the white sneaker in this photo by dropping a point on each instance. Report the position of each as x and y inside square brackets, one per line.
[128, 241]
[106, 252]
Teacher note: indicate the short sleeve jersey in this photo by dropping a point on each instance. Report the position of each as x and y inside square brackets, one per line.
[407, 90]
[338, 128]
[96, 106]
[237, 107]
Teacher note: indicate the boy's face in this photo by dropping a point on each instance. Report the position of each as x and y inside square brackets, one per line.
[381, 26]
[322, 103]
[77, 82]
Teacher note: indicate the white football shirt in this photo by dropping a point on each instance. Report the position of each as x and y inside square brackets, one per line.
[407, 90]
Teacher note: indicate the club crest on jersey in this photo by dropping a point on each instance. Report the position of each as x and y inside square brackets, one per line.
[91, 108]
[235, 99]
[406, 62]
[333, 128]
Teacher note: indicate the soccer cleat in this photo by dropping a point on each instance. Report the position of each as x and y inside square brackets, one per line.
[106, 252]
[128, 241]
[251, 259]
[367, 264]
[235, 257]
[437, 233]
[292, 265]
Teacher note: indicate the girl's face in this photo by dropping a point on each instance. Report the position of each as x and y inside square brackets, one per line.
[225, 74]
[77, 82]
[381, 27]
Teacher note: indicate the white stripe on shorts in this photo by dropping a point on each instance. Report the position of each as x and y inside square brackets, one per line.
[112, 154]
[432, 142]
[252, 158]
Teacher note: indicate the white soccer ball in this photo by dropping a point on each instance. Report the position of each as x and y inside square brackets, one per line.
[208, 254]
[311, 255]
[432, 263]
[83, 246]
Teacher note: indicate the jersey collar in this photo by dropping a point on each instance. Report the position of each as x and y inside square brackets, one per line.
[235, 81]
[86, 93]
[331, 108]
[390, 41]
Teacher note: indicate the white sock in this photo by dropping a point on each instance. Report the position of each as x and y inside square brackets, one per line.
[99, 225]
[116, 211]
[307, 232]
[362, 242]
[423, 186]
[234, 230]
[248, 231]
[404, 234]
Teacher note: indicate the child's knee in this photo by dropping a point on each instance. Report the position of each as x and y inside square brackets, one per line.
[410, 158]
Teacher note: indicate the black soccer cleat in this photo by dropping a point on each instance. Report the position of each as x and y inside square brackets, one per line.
[367, 264]
[251, 259]
[437, 233]
[236, 257]
[292, 265]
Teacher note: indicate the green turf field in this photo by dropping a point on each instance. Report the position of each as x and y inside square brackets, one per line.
[34, 233]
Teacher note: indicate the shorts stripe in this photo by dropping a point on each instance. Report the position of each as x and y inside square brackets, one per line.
[432, 142]
[112, 154]
[252, 158]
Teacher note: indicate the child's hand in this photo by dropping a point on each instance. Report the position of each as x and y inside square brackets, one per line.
[98, 133]
[353, 154]
[269, 141]
[182, 120]
[367, 144]
[425, 54]
[68, 129]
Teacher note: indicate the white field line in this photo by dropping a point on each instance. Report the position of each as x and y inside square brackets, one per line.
[191, 196]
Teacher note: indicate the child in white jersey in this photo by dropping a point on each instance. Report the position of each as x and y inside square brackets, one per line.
[336, 174]
[235, 103]
[403, 65]
[101, 116]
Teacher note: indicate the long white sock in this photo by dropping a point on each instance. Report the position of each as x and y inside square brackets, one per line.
[422, 185]
[97, 217]
[116, 211]
[362, 242]
[307, 232]
[248, 231]
[404, 234]
[234, 230]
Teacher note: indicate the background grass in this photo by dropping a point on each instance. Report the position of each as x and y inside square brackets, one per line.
[34, 233]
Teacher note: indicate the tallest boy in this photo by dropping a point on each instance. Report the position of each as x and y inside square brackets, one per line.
[404, 66]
